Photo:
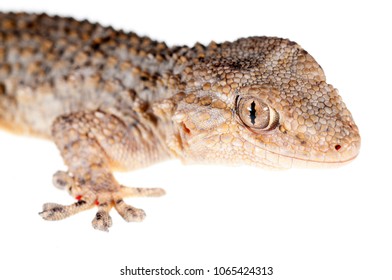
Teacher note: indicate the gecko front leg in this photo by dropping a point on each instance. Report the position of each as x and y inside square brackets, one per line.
[92, 144]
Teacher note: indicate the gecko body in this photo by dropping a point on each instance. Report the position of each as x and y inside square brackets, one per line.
[112, 100]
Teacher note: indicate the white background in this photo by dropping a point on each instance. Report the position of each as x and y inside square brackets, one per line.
[307, 224]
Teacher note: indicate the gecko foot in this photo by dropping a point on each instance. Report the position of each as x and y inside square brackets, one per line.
[104, 199]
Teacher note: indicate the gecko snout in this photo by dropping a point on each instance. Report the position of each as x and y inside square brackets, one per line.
[345, 149]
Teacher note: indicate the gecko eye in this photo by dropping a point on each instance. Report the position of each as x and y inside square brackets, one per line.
[255, 114]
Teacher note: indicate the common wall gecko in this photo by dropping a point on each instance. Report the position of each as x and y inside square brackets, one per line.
[112, 100]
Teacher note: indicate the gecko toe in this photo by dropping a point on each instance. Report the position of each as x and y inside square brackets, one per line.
[128, 212]
[141, 192]
[102, 220]
[52, 211]
[62, 180]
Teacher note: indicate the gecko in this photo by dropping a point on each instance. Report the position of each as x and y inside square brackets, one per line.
[115, 101]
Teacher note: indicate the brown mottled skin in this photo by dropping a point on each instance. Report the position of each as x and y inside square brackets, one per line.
[111, 100]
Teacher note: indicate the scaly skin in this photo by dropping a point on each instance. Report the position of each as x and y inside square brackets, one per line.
[112, 100]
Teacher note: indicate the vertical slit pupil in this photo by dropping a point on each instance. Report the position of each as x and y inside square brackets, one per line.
[252, 112]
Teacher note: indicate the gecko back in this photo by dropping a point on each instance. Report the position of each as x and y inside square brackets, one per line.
[51, 66]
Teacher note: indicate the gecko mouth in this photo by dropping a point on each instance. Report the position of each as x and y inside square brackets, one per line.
[285, 162]
[327, 163]
[341, 155]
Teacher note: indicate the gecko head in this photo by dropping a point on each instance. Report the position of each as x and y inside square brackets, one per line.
[265, 102]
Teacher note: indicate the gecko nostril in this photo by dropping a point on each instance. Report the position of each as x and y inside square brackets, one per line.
[338, 147]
